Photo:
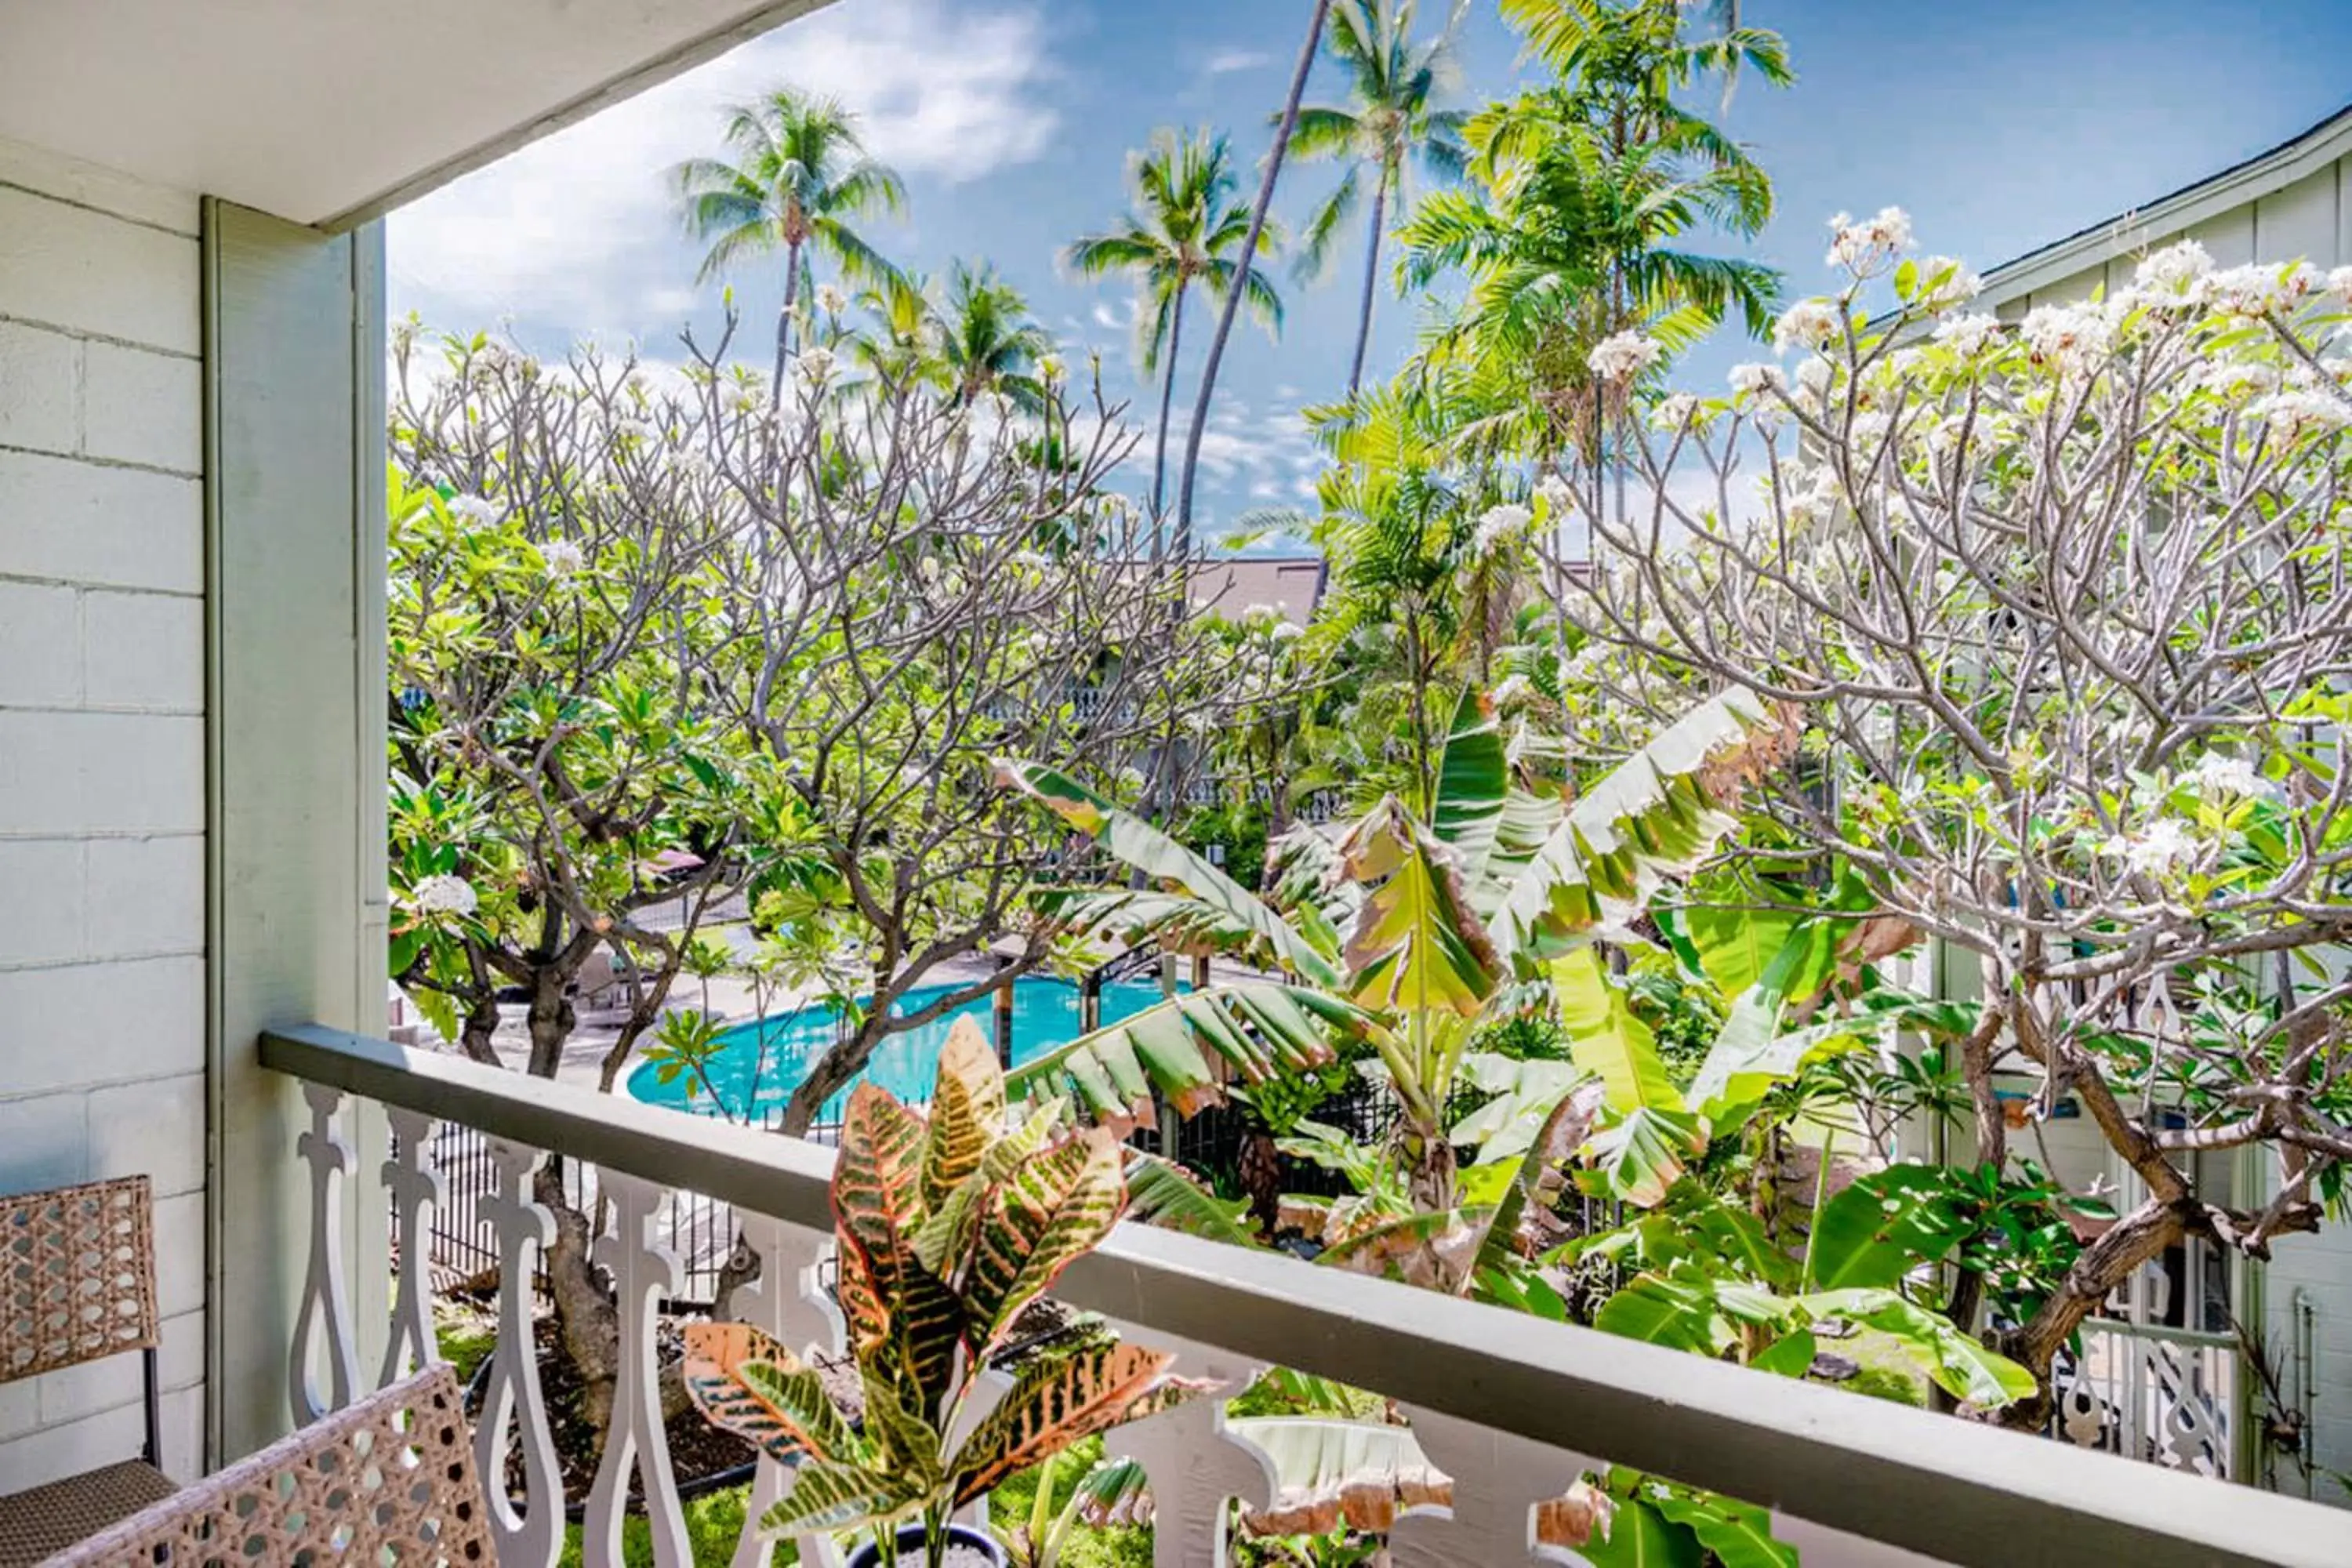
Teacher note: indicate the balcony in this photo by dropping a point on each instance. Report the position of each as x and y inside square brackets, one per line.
[1509, 1407]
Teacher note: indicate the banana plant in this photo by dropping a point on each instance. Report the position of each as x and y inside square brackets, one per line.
[948, 1226]
[1408, 932]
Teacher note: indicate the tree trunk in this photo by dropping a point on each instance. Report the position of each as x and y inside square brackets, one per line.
[588, 1324]
[785, 318]
[1242, 276]
[480, 1025]
[2100, 1269]
[1372, 282]
[1167, 410]
[834, 1071]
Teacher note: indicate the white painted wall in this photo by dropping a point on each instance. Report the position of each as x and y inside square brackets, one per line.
[101, 759]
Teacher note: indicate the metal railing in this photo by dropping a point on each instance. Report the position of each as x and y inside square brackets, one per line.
[1512, 1407]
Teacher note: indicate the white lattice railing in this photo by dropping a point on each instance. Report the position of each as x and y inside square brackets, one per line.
[1511, 1408]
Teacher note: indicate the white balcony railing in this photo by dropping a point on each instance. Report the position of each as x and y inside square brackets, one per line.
[1510, 1408]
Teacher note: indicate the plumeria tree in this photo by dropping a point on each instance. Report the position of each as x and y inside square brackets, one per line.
[560, 787]
[2063, 606]
[927, 580]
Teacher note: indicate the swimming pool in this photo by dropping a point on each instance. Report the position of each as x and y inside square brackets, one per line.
[1044, 1015]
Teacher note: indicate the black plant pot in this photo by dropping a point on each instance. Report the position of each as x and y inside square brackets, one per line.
[910, 1548]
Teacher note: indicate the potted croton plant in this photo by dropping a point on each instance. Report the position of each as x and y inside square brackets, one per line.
[949, 1224]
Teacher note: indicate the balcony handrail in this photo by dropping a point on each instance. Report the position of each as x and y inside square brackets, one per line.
[1951, 1490]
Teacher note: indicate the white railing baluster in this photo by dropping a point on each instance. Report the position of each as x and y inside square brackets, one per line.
[789, 1303]
[645, 1273]
[417, 1191]
[514, 1408]
[1498, 1482]
[1195, 1466]
[325, 1311]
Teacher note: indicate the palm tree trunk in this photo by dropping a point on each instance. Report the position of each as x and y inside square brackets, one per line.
[1241, 278]
[1167, 409]
[785, 318]
[1371, 283]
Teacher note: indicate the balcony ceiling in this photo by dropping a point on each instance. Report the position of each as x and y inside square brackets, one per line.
[331, 112]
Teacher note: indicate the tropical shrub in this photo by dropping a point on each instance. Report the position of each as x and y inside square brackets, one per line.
[2061, 607]
[948, 1225]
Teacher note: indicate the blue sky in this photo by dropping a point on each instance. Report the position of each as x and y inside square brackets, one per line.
[1999, 125]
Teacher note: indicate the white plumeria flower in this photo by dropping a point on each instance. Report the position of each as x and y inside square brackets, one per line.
[1808, 324]
[2068, 334]
[475, 509]
[1621, 356]
[830, 300]
[444, 895]
[1513, 690]
[1052, 371]
[2219, 775]
[1945, 281]
[1557, 499]
[635, 429]
[2302, 411]
[1500, 526]
[1968, 335]
[1673, 412]
[2261, 288]
[1864, 248]
[2162, 847]
[2176, 270]
[814, 366]
[1751, 380]
[2339, 284]
[564, 557]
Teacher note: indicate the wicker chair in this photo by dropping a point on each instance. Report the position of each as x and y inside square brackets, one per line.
[388, 1478]
[77, 1285]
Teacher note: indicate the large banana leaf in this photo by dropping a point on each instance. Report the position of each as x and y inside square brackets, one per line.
[1327, 1472]
[1885, 1226]
[1221, 907]
[1473, 782]
[1417, 946]
[1638, 1157]
[1163, 1192]
[1958, 1362]
[1257, 1028]
[1660, 813]
[1606, 1039]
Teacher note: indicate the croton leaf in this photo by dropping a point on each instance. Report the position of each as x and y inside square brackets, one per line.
[746, 1382]
[1226, 906]
[1056, 1401]
[967, 1111]
[1417, 946]
[1257, 1028]
[827, 1497]
[946, 1232]
[1048, 1211]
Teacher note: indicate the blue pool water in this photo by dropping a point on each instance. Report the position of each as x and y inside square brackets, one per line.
[1044, 1015]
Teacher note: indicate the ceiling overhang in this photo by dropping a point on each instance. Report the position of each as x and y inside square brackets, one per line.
[334, 111]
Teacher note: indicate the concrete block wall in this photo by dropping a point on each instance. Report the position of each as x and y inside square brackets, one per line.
[102, 758]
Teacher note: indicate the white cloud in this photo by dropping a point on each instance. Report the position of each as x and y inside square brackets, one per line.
[578, 230]
[1226, 62]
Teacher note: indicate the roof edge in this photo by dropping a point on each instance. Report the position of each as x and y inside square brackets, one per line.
[2137, 227]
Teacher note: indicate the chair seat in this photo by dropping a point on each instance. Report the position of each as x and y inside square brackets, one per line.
[35, 1525]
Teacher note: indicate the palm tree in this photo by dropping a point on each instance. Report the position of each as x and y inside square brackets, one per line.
[1390, 121]
[988, 341]
[1585, 197]
[899, 344]
[1180, 230]
[800, 175]
[1282, 134]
